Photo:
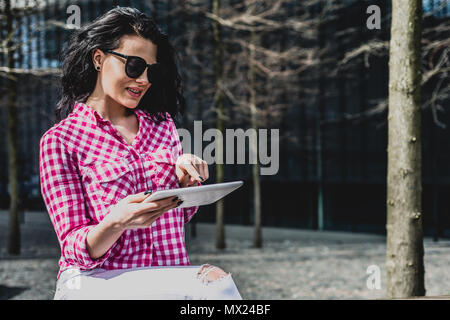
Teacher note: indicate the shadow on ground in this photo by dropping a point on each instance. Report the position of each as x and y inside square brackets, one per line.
[10, 292]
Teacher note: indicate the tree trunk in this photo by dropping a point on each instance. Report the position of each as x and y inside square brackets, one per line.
[218, 61]
[14, 223]
[320, 116]
[257, 239]
[404, 257]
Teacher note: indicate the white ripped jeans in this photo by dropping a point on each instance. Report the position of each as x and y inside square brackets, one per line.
[150, 283]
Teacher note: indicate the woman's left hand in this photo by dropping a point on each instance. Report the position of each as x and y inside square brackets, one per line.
[190, 170]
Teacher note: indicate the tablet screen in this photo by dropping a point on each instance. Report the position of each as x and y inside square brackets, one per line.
[198, 195]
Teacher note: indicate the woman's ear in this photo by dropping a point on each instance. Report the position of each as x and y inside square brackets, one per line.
[97, 58]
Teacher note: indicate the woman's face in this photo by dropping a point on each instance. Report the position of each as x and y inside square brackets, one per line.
[113, 79]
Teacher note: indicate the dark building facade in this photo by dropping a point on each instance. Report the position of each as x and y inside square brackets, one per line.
[334, 167]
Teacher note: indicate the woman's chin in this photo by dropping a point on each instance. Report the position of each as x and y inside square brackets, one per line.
[130, 102]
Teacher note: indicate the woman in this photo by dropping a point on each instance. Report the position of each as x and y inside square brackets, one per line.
[115, 142]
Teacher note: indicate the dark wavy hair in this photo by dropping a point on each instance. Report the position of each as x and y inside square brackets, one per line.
[79, 75]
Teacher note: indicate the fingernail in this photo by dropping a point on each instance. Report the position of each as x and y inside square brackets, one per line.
[147, 192]
[174, 199]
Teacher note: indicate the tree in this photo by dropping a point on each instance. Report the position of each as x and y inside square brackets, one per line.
[218, 103]
[13, 71]
[248, 24]
[404, 256]
[14, 224]
[257, 237]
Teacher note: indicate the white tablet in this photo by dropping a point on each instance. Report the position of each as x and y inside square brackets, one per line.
[198, 195]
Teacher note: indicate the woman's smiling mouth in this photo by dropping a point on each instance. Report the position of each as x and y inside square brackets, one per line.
[134, 92]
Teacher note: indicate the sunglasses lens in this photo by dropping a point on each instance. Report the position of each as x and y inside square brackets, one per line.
[134, 67]
[154, 73]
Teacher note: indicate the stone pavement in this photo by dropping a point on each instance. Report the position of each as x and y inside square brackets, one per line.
[293, 264]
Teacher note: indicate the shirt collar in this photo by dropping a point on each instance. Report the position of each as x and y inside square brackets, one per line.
[93, 116]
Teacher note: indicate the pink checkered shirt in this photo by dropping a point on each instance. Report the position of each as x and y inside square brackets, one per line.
[86, 166]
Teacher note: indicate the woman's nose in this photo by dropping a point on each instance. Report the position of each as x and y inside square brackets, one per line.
[143, 78]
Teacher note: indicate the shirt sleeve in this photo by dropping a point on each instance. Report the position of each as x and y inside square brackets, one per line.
[63, 195]
[177, 150]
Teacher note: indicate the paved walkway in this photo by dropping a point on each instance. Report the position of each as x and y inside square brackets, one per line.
[293, 264]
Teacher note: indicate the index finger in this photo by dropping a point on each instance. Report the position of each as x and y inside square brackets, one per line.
[192, 171]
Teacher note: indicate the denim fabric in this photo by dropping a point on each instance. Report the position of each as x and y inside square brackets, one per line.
[151, 283]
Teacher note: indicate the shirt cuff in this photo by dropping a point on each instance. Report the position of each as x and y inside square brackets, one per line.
[78, 250]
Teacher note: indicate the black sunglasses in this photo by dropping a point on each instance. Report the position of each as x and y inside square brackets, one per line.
[136, 65]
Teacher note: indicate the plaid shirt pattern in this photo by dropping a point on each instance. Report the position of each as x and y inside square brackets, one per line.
[86, 167]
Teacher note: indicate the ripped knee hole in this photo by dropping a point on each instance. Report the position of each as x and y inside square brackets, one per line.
[209, 273]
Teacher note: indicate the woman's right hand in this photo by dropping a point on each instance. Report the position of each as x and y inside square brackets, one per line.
[130, 212]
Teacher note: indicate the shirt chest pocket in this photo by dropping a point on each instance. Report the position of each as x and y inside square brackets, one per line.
[160, 167]
[112, 181]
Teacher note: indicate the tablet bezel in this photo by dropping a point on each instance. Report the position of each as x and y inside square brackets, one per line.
[166, 193]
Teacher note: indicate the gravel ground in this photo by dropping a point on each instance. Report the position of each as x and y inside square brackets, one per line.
[293, 264]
